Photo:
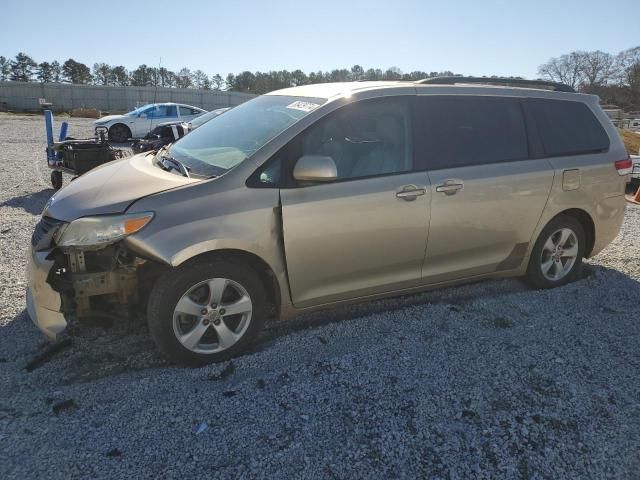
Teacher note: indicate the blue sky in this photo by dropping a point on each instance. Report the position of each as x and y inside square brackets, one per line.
[470, 37]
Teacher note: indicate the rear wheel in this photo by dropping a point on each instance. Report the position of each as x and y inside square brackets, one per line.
[556, 258]
[206, 312]
[119, 133]
[56, 180]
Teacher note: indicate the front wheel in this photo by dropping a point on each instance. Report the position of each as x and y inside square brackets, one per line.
[556, 258]
[206, 311]
[119, 133]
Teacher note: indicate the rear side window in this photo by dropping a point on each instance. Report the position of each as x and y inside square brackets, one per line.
[459, 131]
[568, 128]
[186, 111]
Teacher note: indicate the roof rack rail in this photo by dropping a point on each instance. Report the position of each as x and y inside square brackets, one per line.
[514, 82]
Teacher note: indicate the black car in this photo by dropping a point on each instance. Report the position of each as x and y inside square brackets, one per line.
[162, 135]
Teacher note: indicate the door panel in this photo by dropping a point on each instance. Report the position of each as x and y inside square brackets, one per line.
[355, 238]
[488, 192]
[487, 224]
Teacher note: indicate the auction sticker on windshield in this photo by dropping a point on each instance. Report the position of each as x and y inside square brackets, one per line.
[304, 106]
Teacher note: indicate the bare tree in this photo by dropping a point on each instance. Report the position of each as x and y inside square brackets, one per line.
[567, 69]
[598, 67]
[628, 63]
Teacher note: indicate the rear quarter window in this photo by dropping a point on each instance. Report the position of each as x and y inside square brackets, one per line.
[568, 128]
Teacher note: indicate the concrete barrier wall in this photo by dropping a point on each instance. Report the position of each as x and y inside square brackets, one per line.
[23, 96]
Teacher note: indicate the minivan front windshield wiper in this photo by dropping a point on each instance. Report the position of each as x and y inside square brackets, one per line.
[168, 163]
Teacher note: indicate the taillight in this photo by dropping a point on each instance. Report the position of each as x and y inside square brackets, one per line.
[624, 167]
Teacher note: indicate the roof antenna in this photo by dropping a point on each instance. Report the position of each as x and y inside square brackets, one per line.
[155, 92]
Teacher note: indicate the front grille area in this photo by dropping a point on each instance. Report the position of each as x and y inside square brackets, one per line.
[44, 231]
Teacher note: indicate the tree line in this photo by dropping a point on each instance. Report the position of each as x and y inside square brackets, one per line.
[614, 78]
[23, 68]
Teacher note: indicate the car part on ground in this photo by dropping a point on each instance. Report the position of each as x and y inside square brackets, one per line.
[322, 195]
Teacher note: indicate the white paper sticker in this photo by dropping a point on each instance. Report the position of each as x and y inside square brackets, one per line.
[304, 106]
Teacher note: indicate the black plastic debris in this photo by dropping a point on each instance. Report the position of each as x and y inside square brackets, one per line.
[114, 452]
[64, 405]
[47, 354]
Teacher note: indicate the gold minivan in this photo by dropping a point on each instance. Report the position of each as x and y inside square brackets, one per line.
[318, 195]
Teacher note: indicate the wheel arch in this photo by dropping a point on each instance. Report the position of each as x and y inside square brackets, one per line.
[124, 125]
[588, 225]
[260, 266]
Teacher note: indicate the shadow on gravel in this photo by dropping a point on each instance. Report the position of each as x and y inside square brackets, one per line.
[458, 297]
[32, 203]
[105, 346]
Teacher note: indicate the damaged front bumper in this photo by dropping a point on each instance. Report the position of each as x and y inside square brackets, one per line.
[75, 283]
[44, 304]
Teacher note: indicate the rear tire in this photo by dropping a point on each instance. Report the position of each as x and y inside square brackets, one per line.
[192, 324]
[556, 258]
[119, 133]
[56, 180]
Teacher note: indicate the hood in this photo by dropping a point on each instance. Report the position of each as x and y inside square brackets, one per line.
[111, 188]
[110, 118]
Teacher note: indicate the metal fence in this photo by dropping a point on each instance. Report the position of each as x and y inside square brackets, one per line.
[23, 96]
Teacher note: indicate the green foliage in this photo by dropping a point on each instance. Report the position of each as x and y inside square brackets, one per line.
[5, 68]
[76, 72]
[22, 68]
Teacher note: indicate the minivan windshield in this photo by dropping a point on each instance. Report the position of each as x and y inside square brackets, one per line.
[227, 140]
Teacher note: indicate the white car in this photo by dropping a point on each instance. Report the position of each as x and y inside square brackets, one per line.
[139, 122]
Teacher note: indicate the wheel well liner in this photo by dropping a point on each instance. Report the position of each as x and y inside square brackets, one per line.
[587, 224]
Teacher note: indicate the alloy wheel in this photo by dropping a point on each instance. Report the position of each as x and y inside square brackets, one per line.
[559, 254]
[212, 316]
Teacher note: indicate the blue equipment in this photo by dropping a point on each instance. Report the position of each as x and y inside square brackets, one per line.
[76, 156]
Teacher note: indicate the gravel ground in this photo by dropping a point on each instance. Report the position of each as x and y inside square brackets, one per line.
[490, 380]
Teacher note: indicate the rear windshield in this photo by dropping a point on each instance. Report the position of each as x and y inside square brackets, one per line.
[227, 140]
[568, 128]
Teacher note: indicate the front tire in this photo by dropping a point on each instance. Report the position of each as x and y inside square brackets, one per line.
[119, 133]
[206, 311]
[556, 258]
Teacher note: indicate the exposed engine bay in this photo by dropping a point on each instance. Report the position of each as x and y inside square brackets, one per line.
[109, 279]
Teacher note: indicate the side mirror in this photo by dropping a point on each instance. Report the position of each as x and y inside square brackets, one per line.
[315, 168]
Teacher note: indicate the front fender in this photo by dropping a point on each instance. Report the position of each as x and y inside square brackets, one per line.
[194, 220]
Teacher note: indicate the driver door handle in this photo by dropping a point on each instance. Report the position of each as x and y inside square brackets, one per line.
[410, 192]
